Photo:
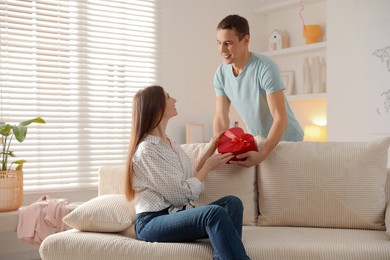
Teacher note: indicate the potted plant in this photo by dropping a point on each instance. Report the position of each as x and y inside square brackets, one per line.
[11, 174]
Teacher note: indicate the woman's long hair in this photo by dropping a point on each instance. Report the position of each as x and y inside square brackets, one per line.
[148, 110]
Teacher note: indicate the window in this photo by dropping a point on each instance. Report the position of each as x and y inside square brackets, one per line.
[76, 64]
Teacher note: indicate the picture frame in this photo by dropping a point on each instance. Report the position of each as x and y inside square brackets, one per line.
[194, 133]
[288, 78]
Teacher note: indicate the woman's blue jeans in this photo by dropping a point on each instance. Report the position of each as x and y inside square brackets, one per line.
[220, 221]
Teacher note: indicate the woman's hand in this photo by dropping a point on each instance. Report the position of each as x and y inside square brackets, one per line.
[212, 163]
[210, 150]
[217, 160]
[210, 160]
[213, 143]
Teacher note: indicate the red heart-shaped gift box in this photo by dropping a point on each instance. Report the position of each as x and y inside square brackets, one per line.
[235, 141]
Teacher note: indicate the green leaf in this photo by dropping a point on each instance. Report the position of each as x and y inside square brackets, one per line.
[5, 129]
[19, 163]
[20, 132]
[37, 120]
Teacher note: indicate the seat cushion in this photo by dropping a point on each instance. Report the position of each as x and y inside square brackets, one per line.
[275, 243]
[337, 184]
[77, 245]
[270, 243]
[228, 180]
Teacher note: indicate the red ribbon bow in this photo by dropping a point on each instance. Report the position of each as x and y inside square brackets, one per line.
[239, 143]
[236, 141]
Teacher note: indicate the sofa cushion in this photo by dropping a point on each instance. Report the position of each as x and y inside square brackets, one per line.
[304, 243]
[271, 243]
[227, 180]
[106, 213]
[339, 184]
[76, 245]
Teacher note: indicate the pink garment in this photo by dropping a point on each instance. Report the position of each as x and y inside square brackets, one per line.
[42, 218]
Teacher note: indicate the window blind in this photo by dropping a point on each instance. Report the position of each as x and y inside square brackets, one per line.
[76, 64]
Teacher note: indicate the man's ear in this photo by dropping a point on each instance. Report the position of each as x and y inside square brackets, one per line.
[246, 39]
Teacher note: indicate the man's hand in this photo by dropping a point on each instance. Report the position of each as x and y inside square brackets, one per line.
[252, 158]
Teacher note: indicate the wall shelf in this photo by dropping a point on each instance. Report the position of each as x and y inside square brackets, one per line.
[284, 5]
[297, 49]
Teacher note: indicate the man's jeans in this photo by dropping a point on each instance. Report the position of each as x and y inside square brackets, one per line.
[220, 221]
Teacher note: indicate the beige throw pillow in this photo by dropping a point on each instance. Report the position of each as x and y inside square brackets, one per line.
[387, 220]
[334, 184]
[106, 213]
[228, 180]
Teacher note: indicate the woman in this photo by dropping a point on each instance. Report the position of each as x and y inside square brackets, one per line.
[163, 182]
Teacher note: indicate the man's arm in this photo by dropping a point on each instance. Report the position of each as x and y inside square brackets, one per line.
[221, 117]
[277, 108]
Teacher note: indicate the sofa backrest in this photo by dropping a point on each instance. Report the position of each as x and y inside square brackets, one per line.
[111, 181]
[333, 184]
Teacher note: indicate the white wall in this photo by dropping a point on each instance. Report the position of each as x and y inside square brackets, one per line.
[349, 86]
[348, 25]
[190, 57]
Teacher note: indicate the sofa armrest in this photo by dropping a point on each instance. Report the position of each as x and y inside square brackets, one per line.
[111, 179]
[387, 219]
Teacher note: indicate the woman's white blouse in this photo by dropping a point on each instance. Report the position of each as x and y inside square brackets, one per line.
[163, 177]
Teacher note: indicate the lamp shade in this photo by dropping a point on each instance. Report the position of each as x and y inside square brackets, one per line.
[315, 133]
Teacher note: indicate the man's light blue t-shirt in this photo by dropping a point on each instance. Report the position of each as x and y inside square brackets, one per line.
[247, 92]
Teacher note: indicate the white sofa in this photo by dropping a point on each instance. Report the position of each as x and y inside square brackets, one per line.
[305, 201]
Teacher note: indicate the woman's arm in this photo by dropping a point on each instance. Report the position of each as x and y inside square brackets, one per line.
[211, 147]
[159, 170]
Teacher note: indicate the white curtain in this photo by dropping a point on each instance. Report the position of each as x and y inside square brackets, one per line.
[76, 64]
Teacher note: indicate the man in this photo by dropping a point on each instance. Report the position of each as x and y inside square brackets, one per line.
[252, 83]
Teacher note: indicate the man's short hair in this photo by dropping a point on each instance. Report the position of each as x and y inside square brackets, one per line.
[237, 23]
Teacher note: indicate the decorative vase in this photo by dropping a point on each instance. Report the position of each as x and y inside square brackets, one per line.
[307, 82]
[11, 190]
[316, 74]
[312, 33]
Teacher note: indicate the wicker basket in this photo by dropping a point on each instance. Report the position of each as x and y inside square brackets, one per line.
[11, 190]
